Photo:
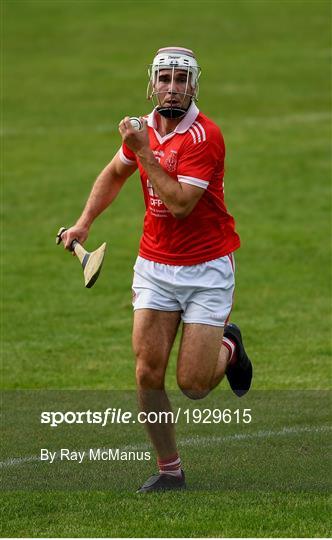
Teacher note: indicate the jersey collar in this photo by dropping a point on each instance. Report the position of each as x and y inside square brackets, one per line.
[182, 126]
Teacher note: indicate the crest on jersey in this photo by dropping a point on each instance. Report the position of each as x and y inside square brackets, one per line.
[171, 161]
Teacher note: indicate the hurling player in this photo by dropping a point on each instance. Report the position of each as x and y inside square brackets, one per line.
[184, 272]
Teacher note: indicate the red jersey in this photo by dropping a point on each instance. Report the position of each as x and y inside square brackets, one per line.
[194, 154]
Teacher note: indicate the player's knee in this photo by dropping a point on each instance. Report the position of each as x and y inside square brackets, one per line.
[193, 389]
[149, 377]
[195, 393]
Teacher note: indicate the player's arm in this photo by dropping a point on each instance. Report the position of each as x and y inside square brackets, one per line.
[180, 198]
[104, 191]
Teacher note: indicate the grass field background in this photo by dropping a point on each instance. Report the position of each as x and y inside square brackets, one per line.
[71, 70]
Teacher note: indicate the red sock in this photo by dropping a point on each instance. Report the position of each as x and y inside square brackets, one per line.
[231, 346]
[171, 465]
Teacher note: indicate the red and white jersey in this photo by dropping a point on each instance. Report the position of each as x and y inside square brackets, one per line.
[193, 154]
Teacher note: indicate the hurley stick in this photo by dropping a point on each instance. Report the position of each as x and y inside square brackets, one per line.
[91, 262]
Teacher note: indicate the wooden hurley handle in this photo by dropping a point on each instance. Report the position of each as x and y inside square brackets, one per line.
[79, 251]
[58, 239]
[74, 246]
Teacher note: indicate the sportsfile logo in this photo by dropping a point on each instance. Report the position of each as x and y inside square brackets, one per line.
[111, 415]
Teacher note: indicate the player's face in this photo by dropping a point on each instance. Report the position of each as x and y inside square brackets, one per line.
[174, 88]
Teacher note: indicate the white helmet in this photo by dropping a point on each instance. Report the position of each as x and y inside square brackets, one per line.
[174, 58]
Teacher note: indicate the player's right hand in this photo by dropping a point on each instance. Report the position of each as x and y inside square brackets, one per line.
[76, 232]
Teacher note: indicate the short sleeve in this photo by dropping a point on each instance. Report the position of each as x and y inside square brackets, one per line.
[201, 159]
[127, 156]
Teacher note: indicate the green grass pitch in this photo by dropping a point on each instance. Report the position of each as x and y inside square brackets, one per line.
[71, 70]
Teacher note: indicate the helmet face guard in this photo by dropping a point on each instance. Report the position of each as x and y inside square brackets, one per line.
[174, 58]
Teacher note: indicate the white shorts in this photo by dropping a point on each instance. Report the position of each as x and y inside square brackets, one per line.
[202, 292]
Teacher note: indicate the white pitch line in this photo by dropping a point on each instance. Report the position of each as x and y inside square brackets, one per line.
[189, 441]
[256, 435]
[288, 119]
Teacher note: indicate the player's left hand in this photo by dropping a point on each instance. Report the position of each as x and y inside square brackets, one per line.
[134, 139]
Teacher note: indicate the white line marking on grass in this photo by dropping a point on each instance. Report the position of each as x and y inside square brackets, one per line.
[288, 119]
[197, 440]
[263, 434]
